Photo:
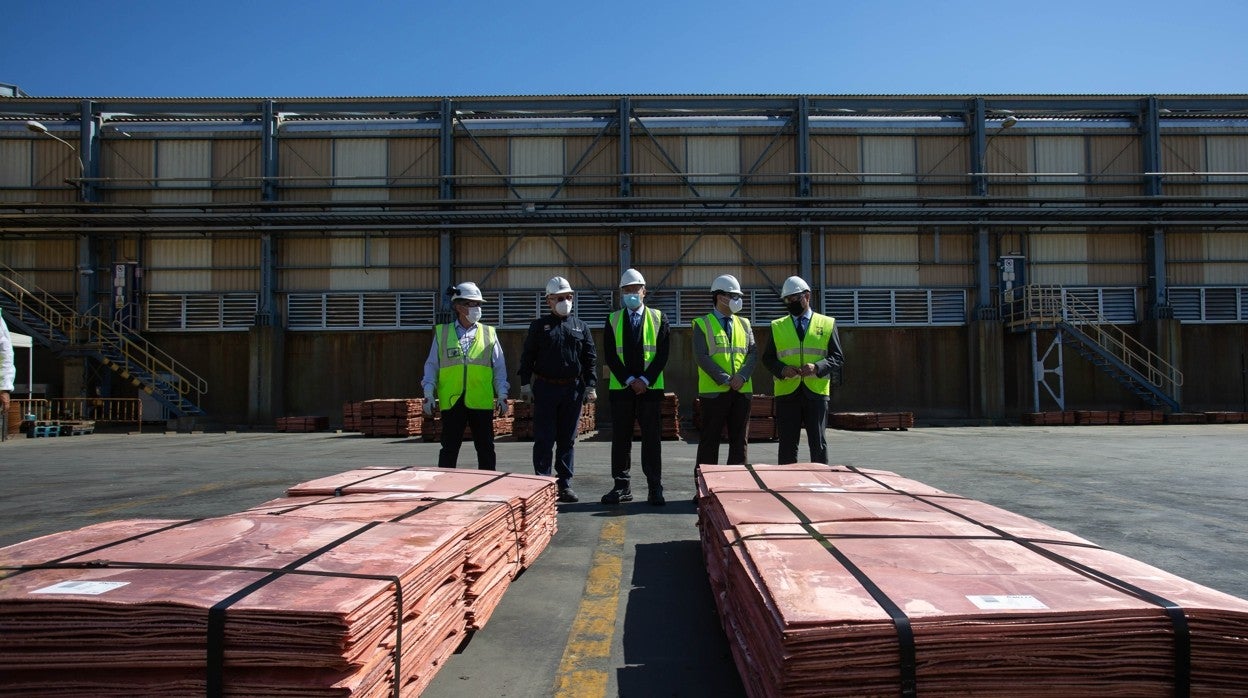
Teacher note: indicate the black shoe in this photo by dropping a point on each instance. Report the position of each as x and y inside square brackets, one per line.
[567, 495]
[656, 498]
[617, 496]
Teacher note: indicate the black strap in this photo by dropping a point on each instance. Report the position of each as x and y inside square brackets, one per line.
[216, 616]
[26, 568]
[1178, 619]
[905, 632]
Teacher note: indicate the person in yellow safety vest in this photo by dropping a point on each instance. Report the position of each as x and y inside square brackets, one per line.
[724, 350]
[636, 343]
[802, 355]
[465, 379]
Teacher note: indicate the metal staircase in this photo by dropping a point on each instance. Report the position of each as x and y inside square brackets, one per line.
[1081, 327]
[54, 324]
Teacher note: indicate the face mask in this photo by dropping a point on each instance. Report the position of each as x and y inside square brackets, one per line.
[563, 308]
[796, 307]
[632, 301]
[474, 314]
[734, 305]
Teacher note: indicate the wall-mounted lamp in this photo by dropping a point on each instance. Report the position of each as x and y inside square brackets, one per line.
[38, 127]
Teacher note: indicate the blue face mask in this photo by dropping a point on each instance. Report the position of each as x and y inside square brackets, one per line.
[632, 301]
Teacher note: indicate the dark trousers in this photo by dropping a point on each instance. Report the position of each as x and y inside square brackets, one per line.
[453, 422]
[628, 408]
[799, 410]
[556, 418]
[731, 408]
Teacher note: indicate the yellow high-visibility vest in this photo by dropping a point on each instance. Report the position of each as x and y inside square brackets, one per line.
[794, 352]
[728, 352]
[650, 320]
[470, 373]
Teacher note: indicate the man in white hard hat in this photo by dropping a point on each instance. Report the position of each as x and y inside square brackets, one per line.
[803, 352]
[558, 374]
[724, 350]
[637, 342]
[466, 379]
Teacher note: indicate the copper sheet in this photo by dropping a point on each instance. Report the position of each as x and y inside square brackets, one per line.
[801, 623]
[339, 627]
[491, 526]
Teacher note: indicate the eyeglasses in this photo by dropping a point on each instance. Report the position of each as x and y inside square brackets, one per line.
[561, 297]
[471, 304]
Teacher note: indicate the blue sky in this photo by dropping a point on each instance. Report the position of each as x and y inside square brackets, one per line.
[317, 48]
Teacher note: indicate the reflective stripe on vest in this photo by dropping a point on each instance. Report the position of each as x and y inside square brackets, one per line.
[794, 352]
[650, 321]
[470, 374]
[727, 352]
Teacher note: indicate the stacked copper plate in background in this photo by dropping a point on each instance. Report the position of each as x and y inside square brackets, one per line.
[309, 595]
[669, 411]
[303, 424]
[834, 581]
[522, 424]
[870, 421]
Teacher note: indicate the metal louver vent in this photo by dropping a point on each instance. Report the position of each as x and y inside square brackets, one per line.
[201, 312]
[1213, 304]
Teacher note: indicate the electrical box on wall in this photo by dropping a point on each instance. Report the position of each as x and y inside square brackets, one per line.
[1012, 270]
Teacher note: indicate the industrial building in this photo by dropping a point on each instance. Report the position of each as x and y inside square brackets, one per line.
[985, 256]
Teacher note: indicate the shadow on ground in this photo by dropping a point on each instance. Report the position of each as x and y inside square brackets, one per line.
[673, 643]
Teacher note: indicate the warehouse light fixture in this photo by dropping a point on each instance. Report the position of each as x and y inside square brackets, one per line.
[38, 127]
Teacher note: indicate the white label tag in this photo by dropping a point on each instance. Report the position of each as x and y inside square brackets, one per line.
[1012, 602]
[819, 487]
[80, 587]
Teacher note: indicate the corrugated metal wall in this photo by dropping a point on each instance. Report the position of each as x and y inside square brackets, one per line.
[179, 266]
[481, 166]
[1059, 259]
[530, 158]
[835, 161]
[597, 175]
[1226, 154]
[893, 157]
[306, 166]
[413, 169]
[236, 170]
[47, 263]
[16, 169]
[129, 166]
[360, 166]
[1060, 163]
[183, 171]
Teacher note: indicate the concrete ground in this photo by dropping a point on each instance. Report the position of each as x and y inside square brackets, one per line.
[1172, 496]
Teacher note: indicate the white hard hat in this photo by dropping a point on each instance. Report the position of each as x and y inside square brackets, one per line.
[557, 285]
[630, 277]
[726, 283]
[467, 291]
[793, 284]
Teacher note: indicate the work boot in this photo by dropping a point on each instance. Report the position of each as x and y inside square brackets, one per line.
[617, 496]
[656, 497]
[567, 495]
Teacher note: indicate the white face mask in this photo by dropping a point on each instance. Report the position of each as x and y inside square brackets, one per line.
[474, 315]
[735, 304]
[563, 308]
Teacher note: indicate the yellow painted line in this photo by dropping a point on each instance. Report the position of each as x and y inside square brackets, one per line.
[585, 667]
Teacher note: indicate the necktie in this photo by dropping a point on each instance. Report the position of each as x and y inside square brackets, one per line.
[727, 323]
[636, 321]
[801, 328]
